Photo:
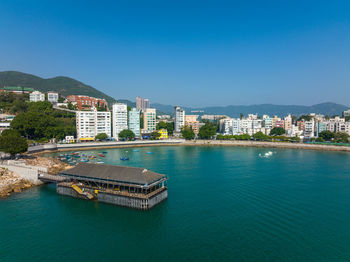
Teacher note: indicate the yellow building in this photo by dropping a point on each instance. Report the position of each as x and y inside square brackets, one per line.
[163, 134]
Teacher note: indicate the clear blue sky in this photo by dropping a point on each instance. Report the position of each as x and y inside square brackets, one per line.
[191, 53]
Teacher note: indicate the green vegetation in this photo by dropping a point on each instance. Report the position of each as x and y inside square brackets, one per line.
[326, 135]
[155, 135]
[305, 118]
[260, 136]
[277, 131]
[167, 126]
[207, 131]
[11, 142]
[127, 135]
[41, 122]
[187, 133]
[101, 137]
[71, 106]
[63, 85]
[341, 137]
[13, 103]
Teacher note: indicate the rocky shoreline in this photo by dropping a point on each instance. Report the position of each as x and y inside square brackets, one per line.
[11, 182]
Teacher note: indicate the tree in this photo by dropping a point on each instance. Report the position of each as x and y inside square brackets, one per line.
[260, 136]
[34, 125]
[295, 139]
[126, 134]
[305, 117]
[242, 137]
[277, 131]
[166, 125]
[60, 99]
[187, 133]
[319, 139]
[13, 143]
[101, 136]
[341, 137]
[71, 106]
[155, 135]
[326, 135]
[207, 131]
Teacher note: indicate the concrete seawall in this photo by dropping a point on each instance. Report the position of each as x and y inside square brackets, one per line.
[266, 145]
[29, 173]
[97, 145]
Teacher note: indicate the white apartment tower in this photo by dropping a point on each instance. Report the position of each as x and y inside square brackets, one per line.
[120, 118]
[179, 119]
[91, 123]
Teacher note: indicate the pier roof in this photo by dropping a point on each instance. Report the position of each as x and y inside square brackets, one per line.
[123, 174]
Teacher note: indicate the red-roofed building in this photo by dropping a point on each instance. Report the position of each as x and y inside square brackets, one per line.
[85, 102]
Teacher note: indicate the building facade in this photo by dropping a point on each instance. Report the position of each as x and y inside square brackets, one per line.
[179, 119]
[120, 118]
[36, 96]
[134, 122]
[52, 97]
[91, 123]
[191, 121]
[149, 120]
[142, 103]
[87, 102]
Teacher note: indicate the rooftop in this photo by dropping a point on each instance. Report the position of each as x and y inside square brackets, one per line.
[17, 88]
[120, 174]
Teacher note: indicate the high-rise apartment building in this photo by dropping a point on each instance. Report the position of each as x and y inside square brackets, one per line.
[179, 119]
[288, 122]
[142, 104]
[91, 123]
[149, 120]
[134, 121]
[120, 118]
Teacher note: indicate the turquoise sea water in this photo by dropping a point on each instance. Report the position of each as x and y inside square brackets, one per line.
[225, 204]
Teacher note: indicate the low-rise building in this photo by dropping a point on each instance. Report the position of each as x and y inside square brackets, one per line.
[52, 97]
[191, 121]
[17, 89]
[163, 134]
[87, 102]
[36, 96]
[69, 139]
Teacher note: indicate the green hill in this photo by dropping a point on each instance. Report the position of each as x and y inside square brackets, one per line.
[61, 84]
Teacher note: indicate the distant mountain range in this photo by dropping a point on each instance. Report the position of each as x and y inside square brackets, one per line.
[328, 108]
[68, 86]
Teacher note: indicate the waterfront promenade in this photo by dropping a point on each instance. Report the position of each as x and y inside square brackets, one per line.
[182, 142]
